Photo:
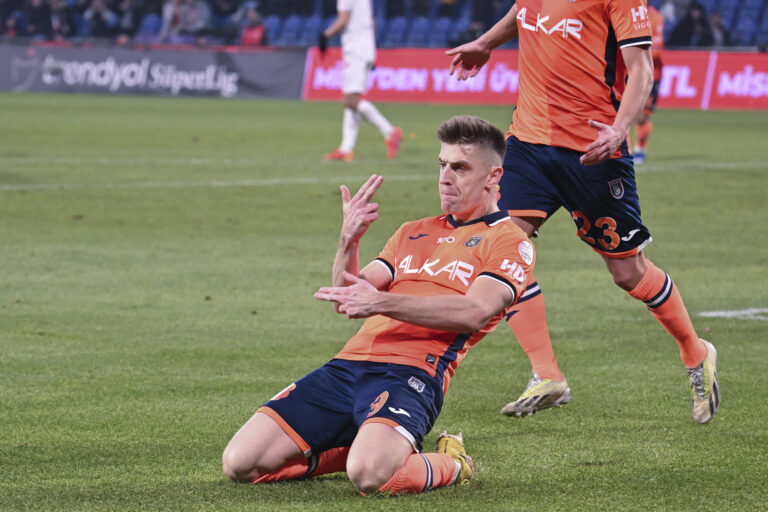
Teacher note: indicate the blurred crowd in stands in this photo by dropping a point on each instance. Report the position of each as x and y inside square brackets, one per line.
[688, 23]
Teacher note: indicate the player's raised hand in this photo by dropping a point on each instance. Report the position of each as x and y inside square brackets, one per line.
[359, 211]
[607, 142]
[356, 300]
[469, 59]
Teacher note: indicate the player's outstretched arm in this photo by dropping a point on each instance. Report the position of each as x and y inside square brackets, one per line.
[469, 58]
[639, 83]
[454, 313]
[358, 214]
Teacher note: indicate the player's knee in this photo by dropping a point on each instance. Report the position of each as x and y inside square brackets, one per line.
[626, 278]
[238, 466]
[366, 476]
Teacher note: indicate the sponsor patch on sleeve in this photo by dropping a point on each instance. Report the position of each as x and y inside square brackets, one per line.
[525, 249]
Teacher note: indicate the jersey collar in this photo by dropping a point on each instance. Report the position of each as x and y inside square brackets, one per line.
[490, 219]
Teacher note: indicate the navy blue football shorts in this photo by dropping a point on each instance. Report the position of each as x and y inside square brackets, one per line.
[326, 408]
[602, 198]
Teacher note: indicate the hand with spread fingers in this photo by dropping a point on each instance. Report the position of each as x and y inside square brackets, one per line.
[469, 59]
[359, 211]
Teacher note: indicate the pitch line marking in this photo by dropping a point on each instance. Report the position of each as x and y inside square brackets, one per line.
[742, 314]
[331, 180]
[149, 162]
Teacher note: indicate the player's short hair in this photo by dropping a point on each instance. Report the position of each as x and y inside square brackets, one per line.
[472, 130]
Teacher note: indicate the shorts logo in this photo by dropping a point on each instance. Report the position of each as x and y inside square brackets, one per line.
[377, 404]
[416, 384]
[399, 411]
[284, 393]
[617, 188]
[431, 359]
[473, 241]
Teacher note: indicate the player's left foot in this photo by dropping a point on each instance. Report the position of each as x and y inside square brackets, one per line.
[453, 446]
[639, 156]
[393, 142]
[338, 154]
[705, 388]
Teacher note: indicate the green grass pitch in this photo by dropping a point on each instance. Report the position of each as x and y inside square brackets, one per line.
[157, 263]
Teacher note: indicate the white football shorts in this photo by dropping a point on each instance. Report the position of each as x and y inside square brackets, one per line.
[356, 75]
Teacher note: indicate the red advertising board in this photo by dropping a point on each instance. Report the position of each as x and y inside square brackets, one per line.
[701, 80]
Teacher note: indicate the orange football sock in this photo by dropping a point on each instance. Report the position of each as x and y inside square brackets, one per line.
[422, 472]
[643, 133]
[330, 461]
[664, 302]
[528, 322]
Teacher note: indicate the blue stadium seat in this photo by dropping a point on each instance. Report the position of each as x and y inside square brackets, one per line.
[744, 33]
[419, 33]
[149, 25]
[441, 33]
[311, 32]
[291, 32]
[272, 25]
[397, 29]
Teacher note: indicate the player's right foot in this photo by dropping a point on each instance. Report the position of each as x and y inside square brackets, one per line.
[705, 388]
[338, 154]
[639, 156]
[393, 142]
[454, 447]
[540, 394]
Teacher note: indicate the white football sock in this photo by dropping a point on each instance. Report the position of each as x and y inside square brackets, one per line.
[371, 114]
[349, 129]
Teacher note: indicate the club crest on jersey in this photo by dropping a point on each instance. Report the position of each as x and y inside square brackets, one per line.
[416, 384]
[617, 188]
[473, 241]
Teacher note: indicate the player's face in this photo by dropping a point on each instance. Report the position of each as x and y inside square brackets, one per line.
[465, 181]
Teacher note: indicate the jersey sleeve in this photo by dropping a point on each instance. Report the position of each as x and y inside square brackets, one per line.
[630, 21]
[344, 5]
[510, 262]
[388, 255]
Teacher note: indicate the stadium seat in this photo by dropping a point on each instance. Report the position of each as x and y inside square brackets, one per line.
[419, 32]
[441, 33]
[396, 32]
[272, 25]
[149, 25]
[311, 32]
[745, 31]
[291, 32]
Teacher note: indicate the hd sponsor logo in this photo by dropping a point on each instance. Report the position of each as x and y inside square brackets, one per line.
[640, 17]
[513, 270]
[566, 27]
[114, 76]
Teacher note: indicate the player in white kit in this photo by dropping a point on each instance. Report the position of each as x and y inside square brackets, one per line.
[358, 44]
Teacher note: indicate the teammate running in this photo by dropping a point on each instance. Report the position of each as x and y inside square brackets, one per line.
[644, 126]
[567, 146]
[437, 288]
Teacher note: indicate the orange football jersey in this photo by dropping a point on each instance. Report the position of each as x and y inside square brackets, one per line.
[435, 256]
[657, 45]
[570, 65]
